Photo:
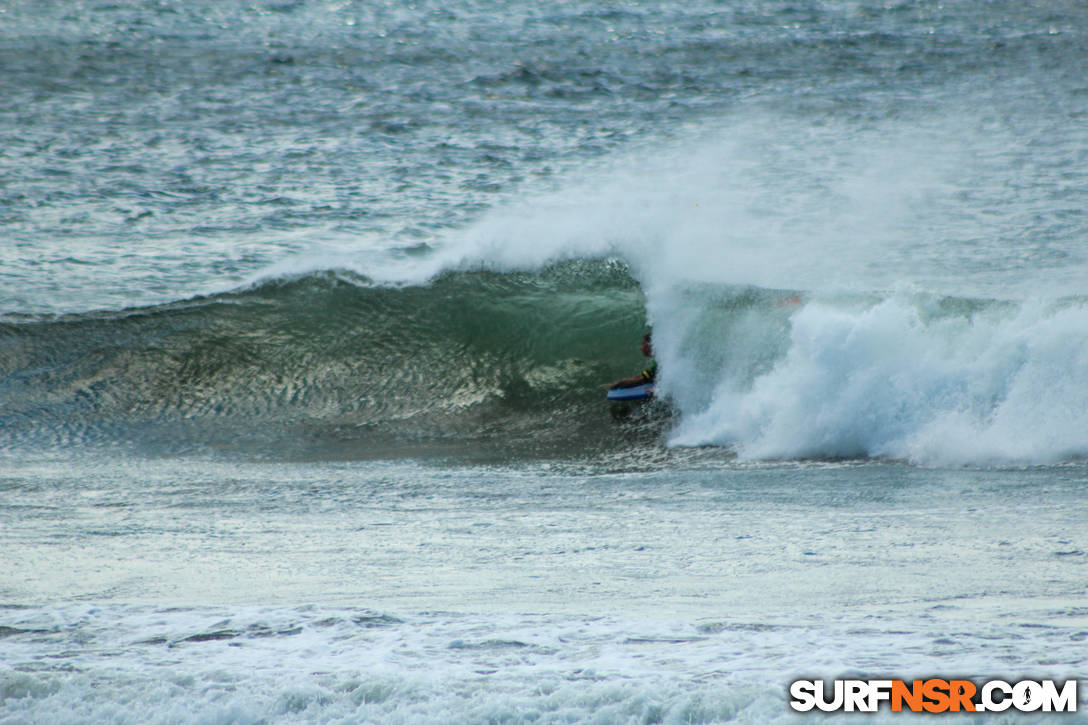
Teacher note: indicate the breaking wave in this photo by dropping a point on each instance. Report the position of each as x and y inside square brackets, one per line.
[916, 377]
[511, 365]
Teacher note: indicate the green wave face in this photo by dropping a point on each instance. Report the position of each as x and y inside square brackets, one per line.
[328, 365]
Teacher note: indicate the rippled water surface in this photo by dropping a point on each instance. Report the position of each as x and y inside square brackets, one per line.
[306, 310]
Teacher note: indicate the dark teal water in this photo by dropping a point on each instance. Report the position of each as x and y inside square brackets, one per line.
[306, 310]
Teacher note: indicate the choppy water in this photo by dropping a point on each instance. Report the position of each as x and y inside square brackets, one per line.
[306, 309]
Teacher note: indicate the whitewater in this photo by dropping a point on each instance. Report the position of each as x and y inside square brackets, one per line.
[307, 310]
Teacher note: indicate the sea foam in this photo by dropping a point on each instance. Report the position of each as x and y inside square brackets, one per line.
[890, 380]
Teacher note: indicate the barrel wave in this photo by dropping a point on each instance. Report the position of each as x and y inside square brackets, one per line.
[504, 365]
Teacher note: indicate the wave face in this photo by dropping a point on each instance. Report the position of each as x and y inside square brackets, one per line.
[489, 365]
[328, 364]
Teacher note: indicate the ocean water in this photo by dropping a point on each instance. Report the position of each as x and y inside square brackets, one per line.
[306, 310]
